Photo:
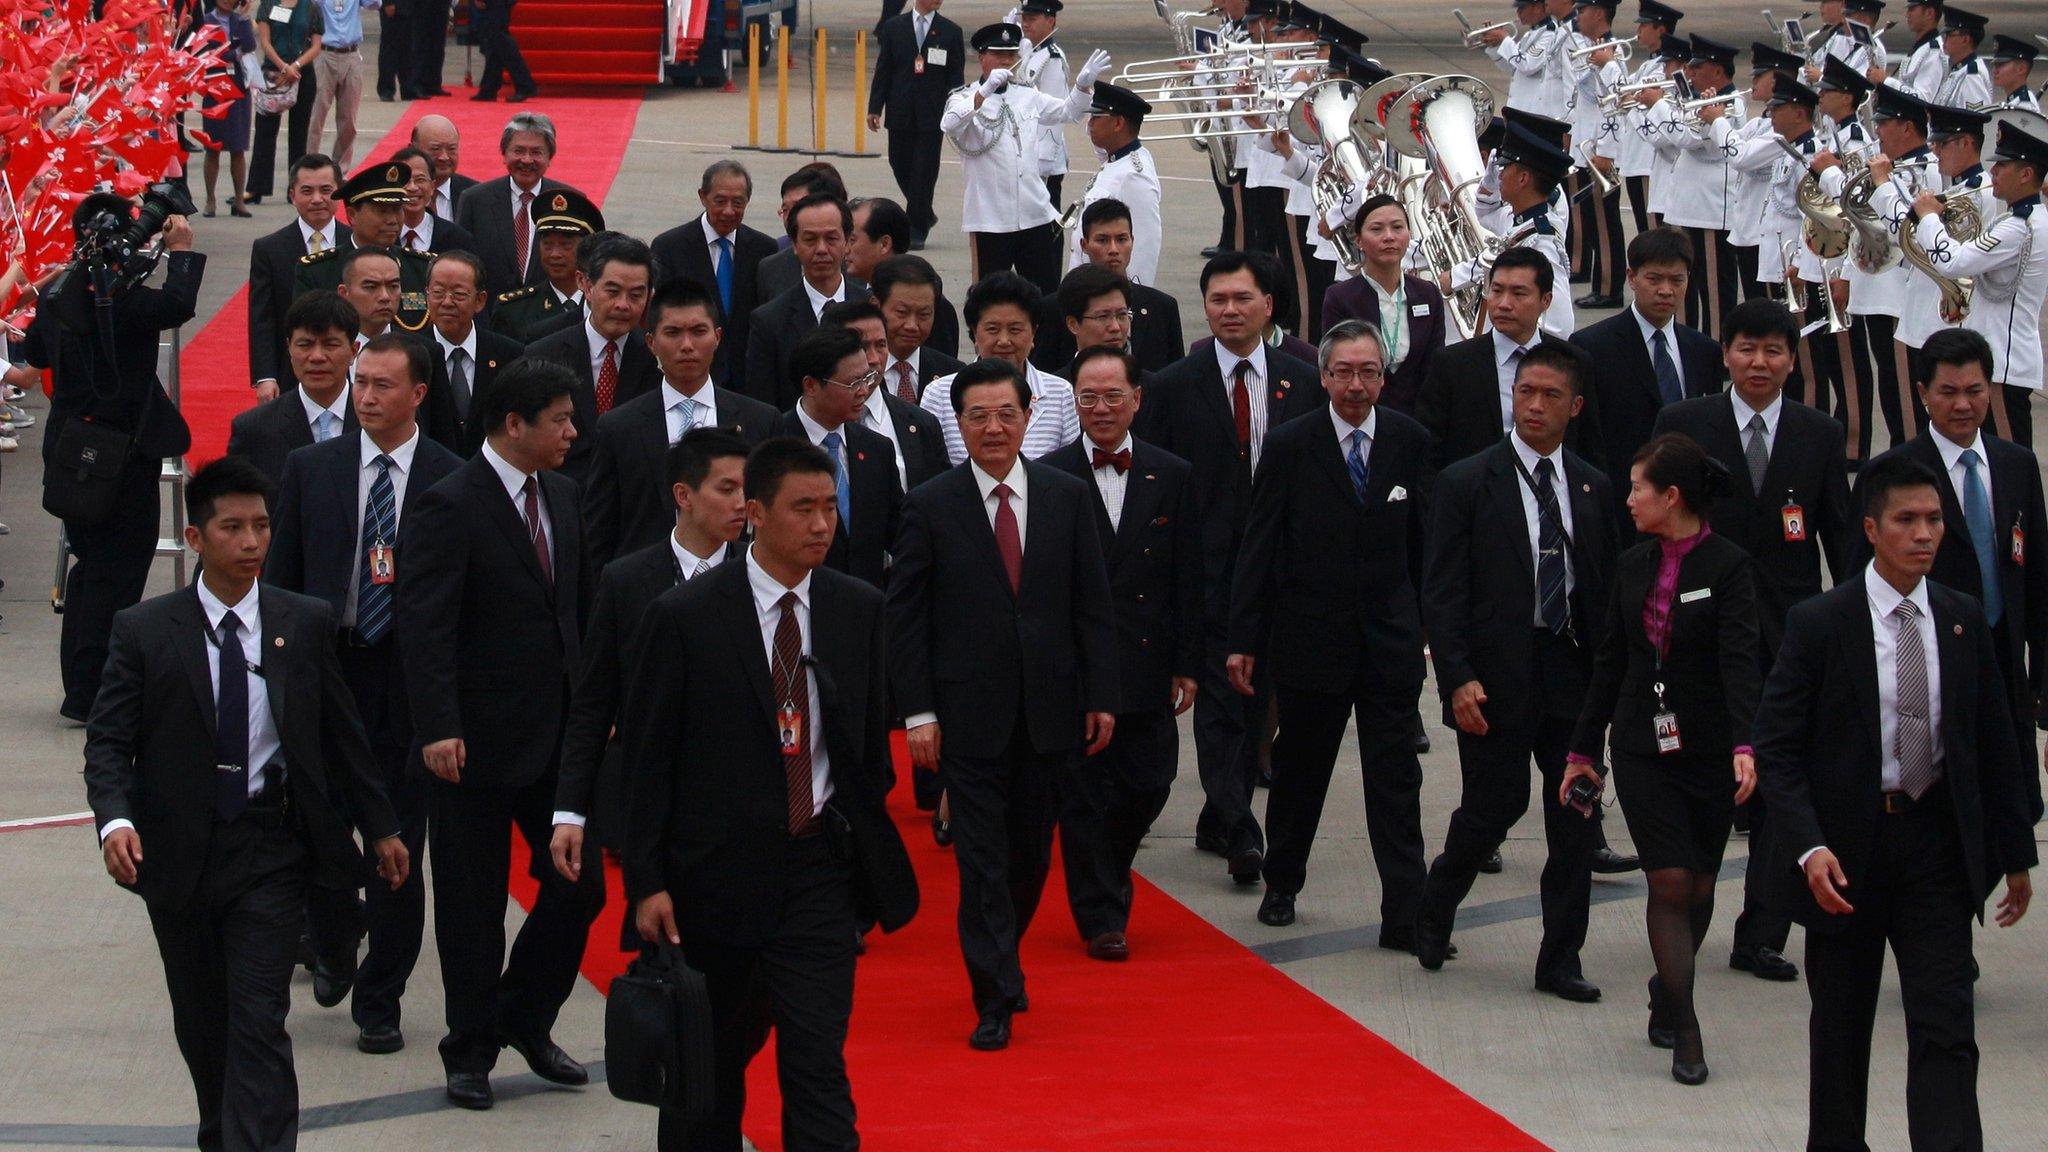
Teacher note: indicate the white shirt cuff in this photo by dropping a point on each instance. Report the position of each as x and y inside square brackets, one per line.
[562, 818]
[920, 720]
[114, 826]
[1809, 852]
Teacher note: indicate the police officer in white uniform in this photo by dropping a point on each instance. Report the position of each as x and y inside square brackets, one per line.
[1046, 70]
[2012, 63]
[1128, 174]
[1524, 54]
[1532, 162]
[1968, 83]
[1840, 42]
[1773, 177]
[1755, 161]
[1956, 137]
[1926, 64]
[1595, 143]
[1662, 129]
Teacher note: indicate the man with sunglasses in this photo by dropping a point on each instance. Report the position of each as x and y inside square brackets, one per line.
[836, 378]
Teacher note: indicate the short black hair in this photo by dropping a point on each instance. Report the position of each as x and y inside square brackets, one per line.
[358, 255]
[1675, 460]
[308, 162]
[227, 476]
[1760, 319]
[1005, 287]
[775, 459]
[1225, 263]
[320, 313]
[902, 269]
[1558, 358]
[820, 350]
[886, 218]
[408, 153]
[681, 292]
[1528, 258]
[817, 176]
[524, 389]
[1087, 283]
[418, 361]
[847, 313]
[989, 371]
[1663, 244]
[1102, 211]
[812, 201]
[1886, 474]
[1544, 182]
[586, 247]
[1105, 352]
[1956, 347]
[621, 249]
[689, 459]
[1373, 205]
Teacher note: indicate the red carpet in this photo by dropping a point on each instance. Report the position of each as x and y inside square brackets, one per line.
[594, 130]
[612, 44]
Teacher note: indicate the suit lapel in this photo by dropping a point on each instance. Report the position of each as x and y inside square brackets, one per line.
[188, 636]
[1505, 485]
[276, 619]
[977, 526]
[1642, 366]
[1948, 648]
[1861, 658]
[498, 506]
[1783, 449]
[1332, 453]
[746, 635]
[1278, 389]
[1141, 498]
[1215, 396]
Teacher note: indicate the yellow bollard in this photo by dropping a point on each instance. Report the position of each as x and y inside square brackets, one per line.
[782, 88]
[860, 89]
[818, 93]
[753, 85]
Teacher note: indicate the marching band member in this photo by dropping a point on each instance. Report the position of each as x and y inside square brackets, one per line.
[1956, 137]
[1968, 83]
[1128, 173]
[1046, 70]
[1224, 170]
[1926, 65]
[1634, 153]
[1279, 168]
[1661, 129]
[2012, 61]
[1755, 159]
[1532, 165]
[1596, 220]
[1839, 372]
[2008, 264]
[1525, 57]
[1702, 195]
[1772, 178]
[1839, 42]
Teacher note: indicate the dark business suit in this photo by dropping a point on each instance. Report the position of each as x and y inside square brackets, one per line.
[1479, 601]
[766, 914]
[772, 332]
[1109, 802]
[626, 500]
[316, 549]
[111, 557]
[682, 252]
[860, 545]
[446, 416]
[489, 644]
[1355, 299]
[912, 100]
[266, 434]
[273, 273]
[1009, 676]
[429, 45]
[485, 212]
[447, 236]
[1915, 878]
[225, 898]
[1460, 403]
[639, 374]
[457, 185]
[1155, 339]
[931, 364]
[490, 25]
[1311, 543]
[1187, 411]
[1625, 380]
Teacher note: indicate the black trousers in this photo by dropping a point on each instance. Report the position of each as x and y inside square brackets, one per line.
[800, 985]
[394, 55]
[914, 159]
[1880, 362]
[1052, 187]
[1305, 751]
[1231, 194]
[1605, 243]
[1715, 279]
[1639, 201]
[1265, 220]
[1108, 802]
[1033, 253]
[1761, 924]
[395, 921]
[501, 56]
[1227, 737]
[228, 959]
[1004, 809]
[109, 570]
[1828, 367]
[1913, 896]
[489, 997]
[429, 43]
[2012, 414]
[263, 154]
[1746, 258]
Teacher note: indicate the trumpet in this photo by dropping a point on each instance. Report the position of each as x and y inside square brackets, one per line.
[1619, 48]
[1688, 112]
[1616, 99]
[1475, 38]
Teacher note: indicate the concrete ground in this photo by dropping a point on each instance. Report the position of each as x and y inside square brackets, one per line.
[91, 1062]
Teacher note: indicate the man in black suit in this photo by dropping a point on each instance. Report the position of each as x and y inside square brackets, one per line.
[914, 435]
[1214, 409]
[607, 353]
[500, 213]
[437, 136]
[493, 589]
[906, 289]
[1333, 513]
[1151, 539]
[1898, 799]
[625, 506]
[420, 228]
[242, 790]
[339, 507]
[1788, 506]
[314, 185]
[1513, 643]
[466, 357]
[1094, 311]
[881, 230]
[818, 227]
[1155, 317]
[1002, 639]
[921, 57]
[758, 838]
[1994, 543]
[1467, 400]
[490, 26]
[780, 272]
[394, 51]
[707, 490]
[322, 334]
[429, 45]
[1642, 358]
[719, 251]
[836, 380]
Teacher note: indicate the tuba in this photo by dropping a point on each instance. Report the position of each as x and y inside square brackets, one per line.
[1965, 223]
[1439, 121]
[1826, 229]
[1327, 114]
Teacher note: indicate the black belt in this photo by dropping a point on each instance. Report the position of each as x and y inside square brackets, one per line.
[1898, 803]
[350, 638]
[343, 50]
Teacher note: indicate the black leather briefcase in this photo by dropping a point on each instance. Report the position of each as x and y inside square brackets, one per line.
[657, 1035]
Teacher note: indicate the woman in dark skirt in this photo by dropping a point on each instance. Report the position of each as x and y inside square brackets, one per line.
[1677, 678]
[229, 128]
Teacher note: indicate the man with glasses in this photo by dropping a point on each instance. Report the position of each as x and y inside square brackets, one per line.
[467, 356]
[1095, 306]
[837, 380]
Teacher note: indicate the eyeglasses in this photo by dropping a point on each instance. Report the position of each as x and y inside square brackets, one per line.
[1107, 314]
[1371, 373]
[450, 295]
[1008, 417]
[861, 383]
[1113, 399]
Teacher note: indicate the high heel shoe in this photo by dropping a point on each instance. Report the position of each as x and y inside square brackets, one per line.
[1661, 1033]
[1691, 1073]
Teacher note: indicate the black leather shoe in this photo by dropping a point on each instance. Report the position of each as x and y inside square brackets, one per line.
[436, 90]
[519, 98]
[1022, 1003]
[1109, 946]
[942, 831]
[1493, 865]
[1576, 989]
[1245, 866]
[549, 1062]
[380, 1040]
[1661, 1033]
[1211, 252]
[329, 986]
[1277, 909]
[1398, 941]
[992, 1034]
[1422, 743]
[1596, 300]
[1764, 964]
[1608, 862]
[1432, 943]
[482, 98]
[1214, 845]
[1691, 1075]
[471, 1090]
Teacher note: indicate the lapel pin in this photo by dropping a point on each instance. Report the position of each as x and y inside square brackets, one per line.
[1150, 476]
[278, 642]
[1587, 488]
[490, 363]
[913, 429]
[1959, 629]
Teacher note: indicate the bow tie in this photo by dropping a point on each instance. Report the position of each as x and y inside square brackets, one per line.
[1119, 460]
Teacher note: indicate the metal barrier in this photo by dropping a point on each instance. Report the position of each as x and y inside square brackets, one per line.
[820, 94]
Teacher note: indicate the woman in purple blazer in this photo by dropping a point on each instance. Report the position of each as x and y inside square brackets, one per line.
[1414, 325]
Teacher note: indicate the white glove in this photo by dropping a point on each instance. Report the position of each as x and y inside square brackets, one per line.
[1096, 64]
[995, 82]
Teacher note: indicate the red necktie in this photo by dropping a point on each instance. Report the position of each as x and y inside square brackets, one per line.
[412, 240]
[906, 382]
[793, 713]
[1119, 460]
[522, 223]
[1009, 542]
[533, 525]
[1241, 407]
[608, 378]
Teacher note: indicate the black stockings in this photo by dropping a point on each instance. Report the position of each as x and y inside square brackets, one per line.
[1680, 909]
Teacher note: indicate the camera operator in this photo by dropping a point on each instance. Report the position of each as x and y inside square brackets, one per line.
[110, 424]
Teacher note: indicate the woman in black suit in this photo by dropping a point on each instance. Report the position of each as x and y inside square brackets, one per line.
[1414, 323]
[1677, 678]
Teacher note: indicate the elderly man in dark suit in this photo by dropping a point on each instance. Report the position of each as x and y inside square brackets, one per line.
[881, 230]
[1339, 504]
[493, 589]
[339, 508]
[241, 789]
[466, 356]
[818, 227]
[314, 185]
[1003, 654]
[1898, 798]
[1408, 308]
[607, 353]
[321, 339]
[920, 58]
[420, 228]
[500, 213]
[719, 251]
[437, 136]
[836, 381]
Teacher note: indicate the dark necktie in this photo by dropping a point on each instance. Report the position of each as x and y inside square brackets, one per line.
[1667, 371]
[1009, 542]
[608, 378]
[1241, 407]
[412, 240]
[793, 700]
[522, 226]
[231, 724]
[533, 526]
[725, 275]
[1354, 462]
[458, 381]
[906, 382]
[380, 529]
[1550, 573]
[1913, 740]
[1977, 518]
[1119, 460]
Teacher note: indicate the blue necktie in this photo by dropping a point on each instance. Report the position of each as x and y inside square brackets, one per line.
[1977, 516]
[832, 449]
[231, 724]
[326, 427]
[380, 527]
[1550, 576]
[1355, 461]
[725, 274]
[1667, 372]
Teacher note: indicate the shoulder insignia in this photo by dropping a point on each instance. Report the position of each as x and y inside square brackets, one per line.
[420, 257]
[317, 257]
[516, 294]
[1054, 50]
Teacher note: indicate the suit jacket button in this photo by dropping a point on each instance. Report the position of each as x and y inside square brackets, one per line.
[1148, 552]
[1141, 597]
[1144, 643]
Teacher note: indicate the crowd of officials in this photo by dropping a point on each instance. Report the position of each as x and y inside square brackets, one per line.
[644, 547]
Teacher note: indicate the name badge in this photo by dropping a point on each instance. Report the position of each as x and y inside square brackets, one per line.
[789, 729]
[1418, 309]
[1667, 732]
[282, 14]
[937, 56]
[383, 565]
[2019, 546]
[917, 65]
[1795, 523]
[1695, 594]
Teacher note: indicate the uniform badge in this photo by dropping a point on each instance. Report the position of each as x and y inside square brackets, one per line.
[561, 202]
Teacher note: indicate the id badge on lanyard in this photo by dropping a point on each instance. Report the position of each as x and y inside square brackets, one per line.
[383, 564]
[1666, 724]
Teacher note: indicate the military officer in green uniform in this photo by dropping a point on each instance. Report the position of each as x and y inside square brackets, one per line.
[563, 218]
[375, 198]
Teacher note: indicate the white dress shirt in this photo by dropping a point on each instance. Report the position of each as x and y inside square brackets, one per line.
[307, 232]
[711, 238]
[1884, 600]
[447, 350]
[688, 562]
[675, 409]
[1393, 320]
[1770, 412]
[820, 299]
[1255, 385]
[338, 409]
[767, 591]
[514, 481]
[1054, 422]
[444, 200]
[597, 342]
[1534, 523]
[875, 415]
[532, 210]
[1670, 330]
[1110, 483]
[366, 475]
[422, 234]
[1504, 364]
[1345, 428]
[1958, 475]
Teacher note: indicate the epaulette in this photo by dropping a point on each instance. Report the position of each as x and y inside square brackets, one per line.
[317, 257]
[517, 294]
[404, 253]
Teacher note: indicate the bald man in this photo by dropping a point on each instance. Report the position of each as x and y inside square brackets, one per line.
[436, 136]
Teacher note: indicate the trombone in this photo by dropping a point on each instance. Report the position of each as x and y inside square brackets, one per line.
[1475, 38]
[1619, 47]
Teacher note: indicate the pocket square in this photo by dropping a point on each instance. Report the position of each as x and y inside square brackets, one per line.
[1399, 493]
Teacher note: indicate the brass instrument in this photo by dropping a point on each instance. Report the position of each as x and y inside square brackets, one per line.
[1784, 292]
[1791, 33]
[1615, 100]
[1620, 48]
[1327, 115]
[1964, 221]
[1439, 120]
[1475, 38]
[1873, 250]
[1688, 111]
[1826, 229]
